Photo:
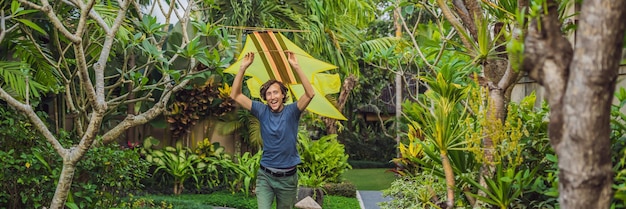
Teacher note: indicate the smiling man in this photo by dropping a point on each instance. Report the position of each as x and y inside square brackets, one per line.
[277, 177]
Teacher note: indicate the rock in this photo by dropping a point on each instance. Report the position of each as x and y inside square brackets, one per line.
[308, 203]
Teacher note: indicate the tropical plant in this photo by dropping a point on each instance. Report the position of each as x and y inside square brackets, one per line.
[505, 186]
[439, 118]
[323, 160]
[419, 191]
[26, 77]
[196, 102]
[179, 162]
[410, 153]
[244, 180]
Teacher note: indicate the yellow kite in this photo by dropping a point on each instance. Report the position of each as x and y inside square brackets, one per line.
[273, 64]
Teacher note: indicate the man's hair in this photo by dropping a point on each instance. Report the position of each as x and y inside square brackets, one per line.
[267, 85]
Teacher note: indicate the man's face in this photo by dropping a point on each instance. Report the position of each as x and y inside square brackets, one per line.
[274, 97]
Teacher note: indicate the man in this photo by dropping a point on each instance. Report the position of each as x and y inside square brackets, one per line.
[277, 178]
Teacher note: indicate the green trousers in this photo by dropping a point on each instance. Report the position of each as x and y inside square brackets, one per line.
[283, 189]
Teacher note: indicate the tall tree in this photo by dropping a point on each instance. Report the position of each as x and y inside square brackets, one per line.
[579, 83]
[105, 51]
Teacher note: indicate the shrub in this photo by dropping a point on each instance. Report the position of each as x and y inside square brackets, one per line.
[323, 160]
[179, 162]
[420, 191]
[340, 189]
[107, 172]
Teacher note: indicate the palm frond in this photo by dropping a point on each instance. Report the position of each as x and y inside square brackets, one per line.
[255, 132]
[16, 76]
[38, 57]
[379, 44]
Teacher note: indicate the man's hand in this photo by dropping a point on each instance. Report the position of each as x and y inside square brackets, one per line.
[247, 60]
[291, 57]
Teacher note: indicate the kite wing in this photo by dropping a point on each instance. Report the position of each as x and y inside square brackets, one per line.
[271, 63]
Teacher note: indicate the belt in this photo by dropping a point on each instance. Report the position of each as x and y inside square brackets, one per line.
[280, 174]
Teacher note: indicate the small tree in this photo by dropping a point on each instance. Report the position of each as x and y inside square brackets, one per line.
[106, 55]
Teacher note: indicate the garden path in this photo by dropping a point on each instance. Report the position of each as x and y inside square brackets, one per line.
[370, 199]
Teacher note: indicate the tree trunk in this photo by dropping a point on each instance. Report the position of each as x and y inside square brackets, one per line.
[580, 99]
[64, 184]
[586, 174]
[449, 173]
[348, 84]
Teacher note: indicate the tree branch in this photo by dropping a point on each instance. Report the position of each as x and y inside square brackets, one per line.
[104, 55]
[47, 9]
[30, 113]
[131, 120]
[415, 44]
[455, 23]
[3, 30]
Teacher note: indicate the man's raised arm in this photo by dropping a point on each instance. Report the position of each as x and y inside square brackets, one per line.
[309, 93]
[235, 92]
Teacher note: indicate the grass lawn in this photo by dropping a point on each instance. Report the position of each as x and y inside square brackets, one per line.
[363, 179]
[207, 201]
[370, 178]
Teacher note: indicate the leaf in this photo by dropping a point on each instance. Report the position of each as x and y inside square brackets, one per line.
[32, 25]
[14, 6]
[24, 12]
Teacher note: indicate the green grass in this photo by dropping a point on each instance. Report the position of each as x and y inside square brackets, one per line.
[370, 178]
[363, 179]
[226, 199]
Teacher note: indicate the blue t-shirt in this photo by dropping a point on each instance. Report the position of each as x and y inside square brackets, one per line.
[279, 131]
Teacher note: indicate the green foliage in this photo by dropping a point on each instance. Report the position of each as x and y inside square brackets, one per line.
[505, 186]
[246, 166]
[17, 76]
[323, 160]
[238, 174]
[31, 168]
[105, 174]
[440, 125]
[365, 141]
[144, 202]
[618, 146]
[218, 163]
[237, 200]
[179, 162]
[344, 189]
[22, 72]
[421, 191]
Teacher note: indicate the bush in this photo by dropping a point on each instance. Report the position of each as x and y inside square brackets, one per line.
[421, 191]
[107, 172]
[323, 160]
[340, 189]
[30, 167]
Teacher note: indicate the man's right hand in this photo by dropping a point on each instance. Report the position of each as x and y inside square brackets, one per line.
[247, 60]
